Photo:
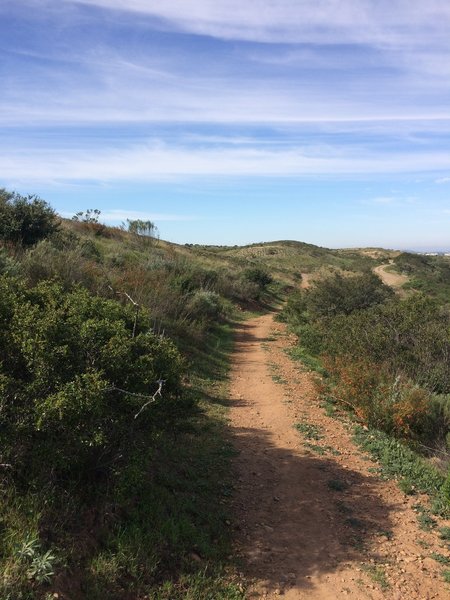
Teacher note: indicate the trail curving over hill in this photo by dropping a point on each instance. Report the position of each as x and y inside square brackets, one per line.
[394, 280]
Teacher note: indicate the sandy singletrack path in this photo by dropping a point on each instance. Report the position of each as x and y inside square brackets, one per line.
[310, 525]
[395, 280]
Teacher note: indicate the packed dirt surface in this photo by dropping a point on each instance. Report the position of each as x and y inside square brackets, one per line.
[395, 280]
[306, 281]
[312, 518]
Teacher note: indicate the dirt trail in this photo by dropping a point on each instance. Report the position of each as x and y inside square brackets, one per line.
[395, 280]
[309, 525]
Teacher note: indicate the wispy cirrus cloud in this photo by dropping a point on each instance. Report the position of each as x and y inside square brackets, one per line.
[159, 161]
[177, 98]
[287, 21]
[380, 55]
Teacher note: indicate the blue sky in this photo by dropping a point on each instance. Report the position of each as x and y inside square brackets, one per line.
[230, 121]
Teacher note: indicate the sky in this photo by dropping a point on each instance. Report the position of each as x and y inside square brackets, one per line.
[234, 121]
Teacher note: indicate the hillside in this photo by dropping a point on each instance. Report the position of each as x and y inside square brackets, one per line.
[289, 259]
[117, 460]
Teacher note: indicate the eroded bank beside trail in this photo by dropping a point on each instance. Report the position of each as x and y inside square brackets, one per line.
[312, 518]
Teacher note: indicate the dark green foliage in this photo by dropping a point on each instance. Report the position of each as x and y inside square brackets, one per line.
[337, 295]
[380, 357]
[258, 275]
[123, 503]
[412, 263]
[295, 310]
[24, 220]
[429, 274]
[63, 358]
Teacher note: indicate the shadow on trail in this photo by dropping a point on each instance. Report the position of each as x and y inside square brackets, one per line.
[244, 334]
[300, 516]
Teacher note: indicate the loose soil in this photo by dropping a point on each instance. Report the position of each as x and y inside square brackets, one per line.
[312, 519]
[395, 280]
[306, 280]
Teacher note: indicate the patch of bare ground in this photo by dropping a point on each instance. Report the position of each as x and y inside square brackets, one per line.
[309, 523]
[306, 280]
[395, 280]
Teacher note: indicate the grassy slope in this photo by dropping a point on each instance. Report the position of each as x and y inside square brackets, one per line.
[168, 536]
[427, 274]
[286, 259]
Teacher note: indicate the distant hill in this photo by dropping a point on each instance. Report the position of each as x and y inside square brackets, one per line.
[287, 259]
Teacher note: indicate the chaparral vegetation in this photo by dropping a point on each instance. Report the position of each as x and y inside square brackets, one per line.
[114, 459]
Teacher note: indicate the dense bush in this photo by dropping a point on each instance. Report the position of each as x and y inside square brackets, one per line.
[411, 335]
[429, 274]
[205, 304]
[387, 358]
[393, 404]
[70, 261]
[69, 366]
[258, 275]
[343, 295]
[295, 310]
[412, 263]
[8, 266]
[24, 220]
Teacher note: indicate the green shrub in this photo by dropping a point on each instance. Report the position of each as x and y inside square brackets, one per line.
[205, 304]
[258, 275]
[72, 378]
[73, 262]
[8, 266]
[411, 335]
[337, 295]
[389, 359]
[241, 289]
[295, 310]
[24, 220]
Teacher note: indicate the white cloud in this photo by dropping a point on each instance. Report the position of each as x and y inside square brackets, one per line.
[126, 84]
[160, 161]
[316, 21]
[443, 180]
[121, 96]
[118, 83]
